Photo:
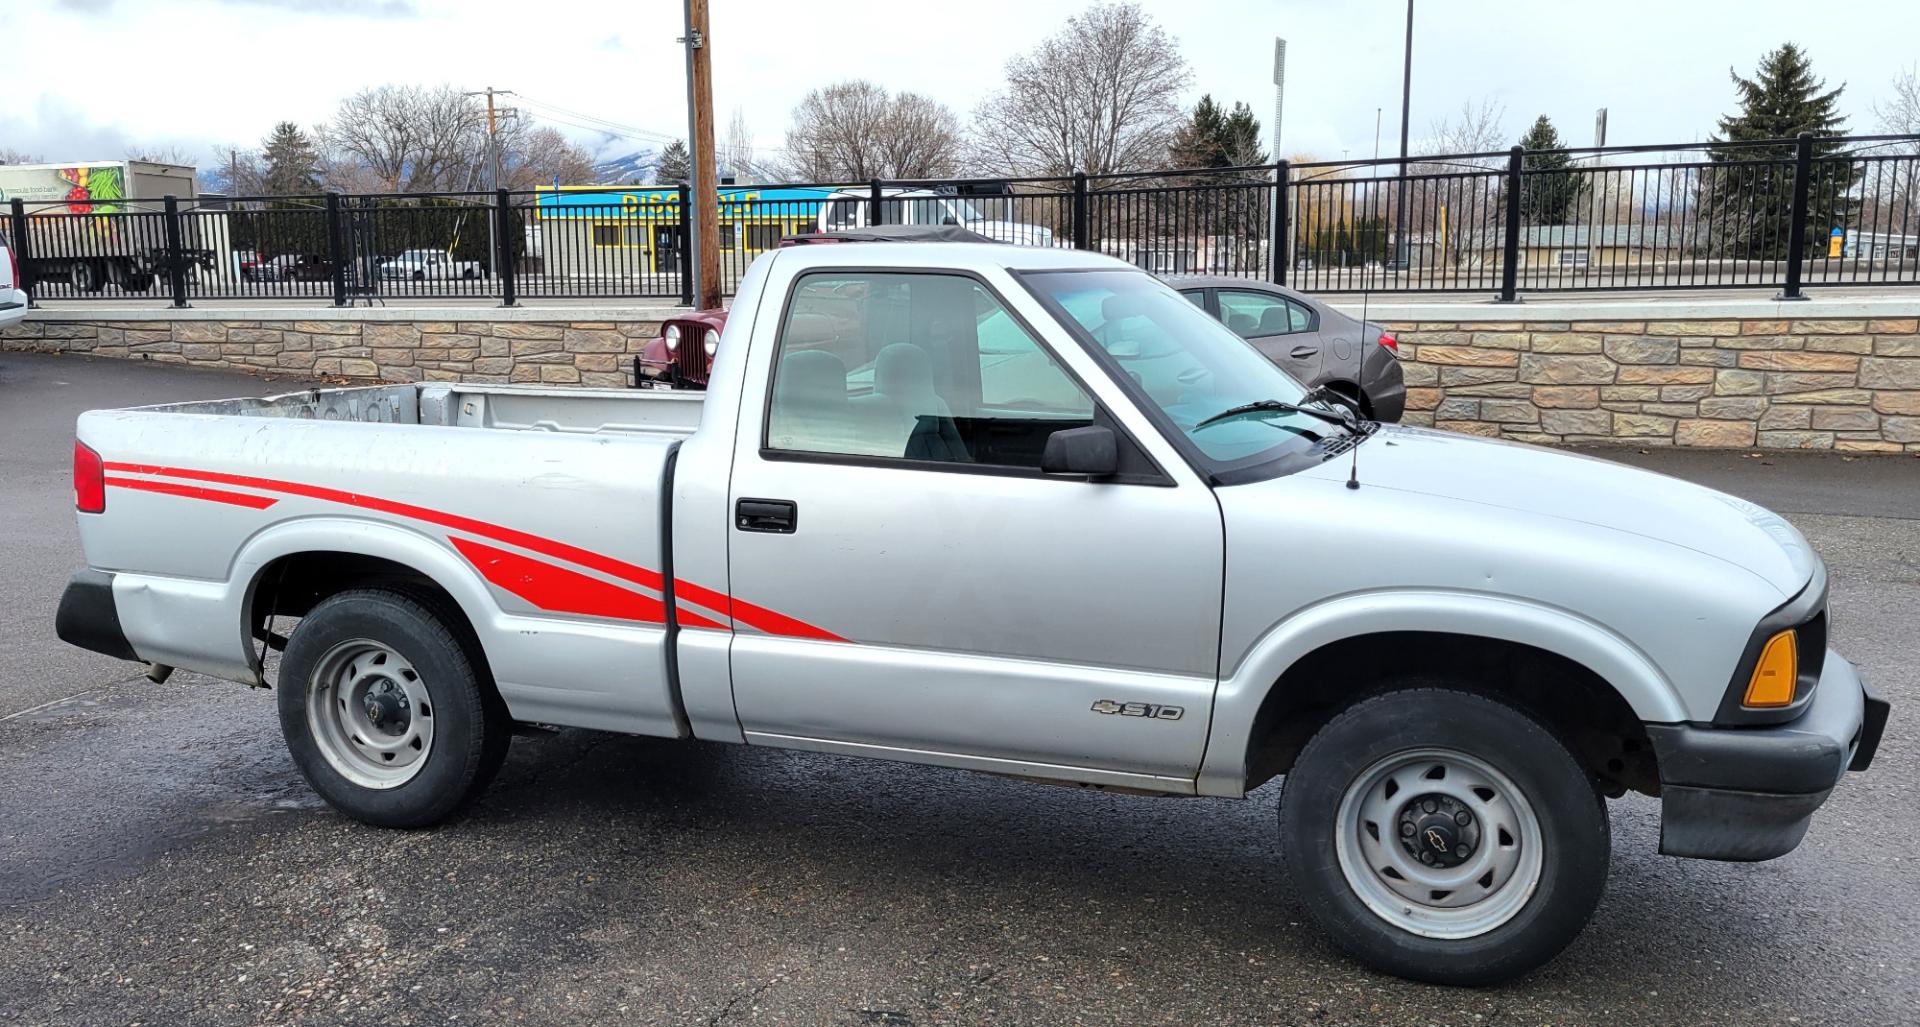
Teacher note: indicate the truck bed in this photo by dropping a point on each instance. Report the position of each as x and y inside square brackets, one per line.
[546, 532]
[510, 407]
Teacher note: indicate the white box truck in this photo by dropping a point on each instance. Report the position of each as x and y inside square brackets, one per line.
[97, 223]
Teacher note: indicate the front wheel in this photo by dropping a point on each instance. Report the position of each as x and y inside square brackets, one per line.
[386, 712]
[1442, 836]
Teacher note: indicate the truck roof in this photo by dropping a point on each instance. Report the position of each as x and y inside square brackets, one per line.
[948, 254]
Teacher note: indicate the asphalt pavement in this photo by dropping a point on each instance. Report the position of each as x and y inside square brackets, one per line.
[162, 863]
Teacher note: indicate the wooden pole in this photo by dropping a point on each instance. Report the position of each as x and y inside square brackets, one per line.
[705, 195]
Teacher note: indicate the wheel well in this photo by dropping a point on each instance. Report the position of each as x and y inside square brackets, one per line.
[1578, 705]
[292, 585]
[1352, 392]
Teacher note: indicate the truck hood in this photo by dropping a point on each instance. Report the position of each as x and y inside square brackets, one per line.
[1586, 490]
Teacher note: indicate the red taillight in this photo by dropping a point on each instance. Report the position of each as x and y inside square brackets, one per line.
[1390, 342]
[89, 480]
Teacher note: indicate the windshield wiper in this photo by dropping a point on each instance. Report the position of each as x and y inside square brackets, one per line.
[1259, 406]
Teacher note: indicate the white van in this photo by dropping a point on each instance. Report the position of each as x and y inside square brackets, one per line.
[847, 209]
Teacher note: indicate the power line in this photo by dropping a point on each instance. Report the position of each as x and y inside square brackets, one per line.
[594, 123]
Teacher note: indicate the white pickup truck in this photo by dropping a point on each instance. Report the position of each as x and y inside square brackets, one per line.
[429, 265]
[1117, 548]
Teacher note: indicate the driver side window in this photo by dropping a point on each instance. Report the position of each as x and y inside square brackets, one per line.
[929, 368]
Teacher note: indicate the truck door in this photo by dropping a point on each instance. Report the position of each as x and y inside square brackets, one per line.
[907, 582]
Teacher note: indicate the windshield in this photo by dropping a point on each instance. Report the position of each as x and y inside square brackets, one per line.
[1185, 362]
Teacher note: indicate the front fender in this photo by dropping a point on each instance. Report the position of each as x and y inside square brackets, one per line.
[1244, 687]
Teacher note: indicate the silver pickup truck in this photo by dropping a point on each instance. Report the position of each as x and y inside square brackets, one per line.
[1017, 510]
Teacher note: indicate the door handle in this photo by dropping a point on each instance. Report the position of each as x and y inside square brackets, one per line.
[1303, 352]
[779, 516]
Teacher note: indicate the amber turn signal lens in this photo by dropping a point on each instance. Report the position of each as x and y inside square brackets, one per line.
[1773, 677]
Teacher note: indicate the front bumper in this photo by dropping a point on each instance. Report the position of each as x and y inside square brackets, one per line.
[89, 618]
[1748, 793]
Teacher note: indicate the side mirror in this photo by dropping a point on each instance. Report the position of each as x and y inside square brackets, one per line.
[1092, 451]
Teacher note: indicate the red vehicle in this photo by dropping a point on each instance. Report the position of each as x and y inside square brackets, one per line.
[683, 354]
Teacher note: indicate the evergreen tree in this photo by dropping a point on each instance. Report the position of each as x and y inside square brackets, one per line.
[292, 165]
[1548, 191]
[1216, 138]
[674, 166]
[1196, 144]
[1747, 203]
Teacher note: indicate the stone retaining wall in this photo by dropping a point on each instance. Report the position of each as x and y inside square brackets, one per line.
[1825, 383]
[591, 353]
[1729, 374]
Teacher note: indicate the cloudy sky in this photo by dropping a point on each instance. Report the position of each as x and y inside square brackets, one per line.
[88, 79]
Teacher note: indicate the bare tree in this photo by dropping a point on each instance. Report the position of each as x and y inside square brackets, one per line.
[1456, 220]
[1101, 95]
[1475, 128]
[856, 130]
[736, 154]
[167, 153]
[1900, 113]
[541, 155]
[410, 138]
[9, 155]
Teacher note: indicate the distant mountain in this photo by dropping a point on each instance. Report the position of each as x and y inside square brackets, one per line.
[625, 169]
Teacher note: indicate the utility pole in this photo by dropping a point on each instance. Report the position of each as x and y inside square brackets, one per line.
[493, 164]
[705, 191]
[1406, 109]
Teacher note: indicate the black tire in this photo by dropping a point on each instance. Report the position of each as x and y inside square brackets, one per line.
[419, 276]
[84, 277]
[471, 725]
[1572, 819]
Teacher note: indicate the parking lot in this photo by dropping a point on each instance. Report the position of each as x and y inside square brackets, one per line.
[161, 861]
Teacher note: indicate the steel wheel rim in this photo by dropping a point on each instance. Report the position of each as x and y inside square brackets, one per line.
[1489, 885]
[370, 713]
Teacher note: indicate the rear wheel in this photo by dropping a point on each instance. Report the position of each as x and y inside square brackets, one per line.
[84, 277]
[1443, 836]
[385, 711]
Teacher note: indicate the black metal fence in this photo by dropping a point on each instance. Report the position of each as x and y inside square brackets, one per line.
[1777, 214]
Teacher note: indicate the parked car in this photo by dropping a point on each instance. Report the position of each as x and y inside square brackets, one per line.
[1019, 510]
[1307, 338]
[424, 265]
[13, 299]
[290, 267]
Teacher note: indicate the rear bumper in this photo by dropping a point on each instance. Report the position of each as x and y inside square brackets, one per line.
[1748, 794]
[1385, 384]
[89, 618]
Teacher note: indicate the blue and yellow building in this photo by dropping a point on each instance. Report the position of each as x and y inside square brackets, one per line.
[588, 227]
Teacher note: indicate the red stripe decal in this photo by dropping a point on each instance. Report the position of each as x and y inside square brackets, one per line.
[753, 616]
[194, 492]
[746, 613]
[546, 547]
[558, 590]
[689, 619]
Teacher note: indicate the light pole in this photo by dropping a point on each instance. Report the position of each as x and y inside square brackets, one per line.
[1279, 89]
[1406, 107]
